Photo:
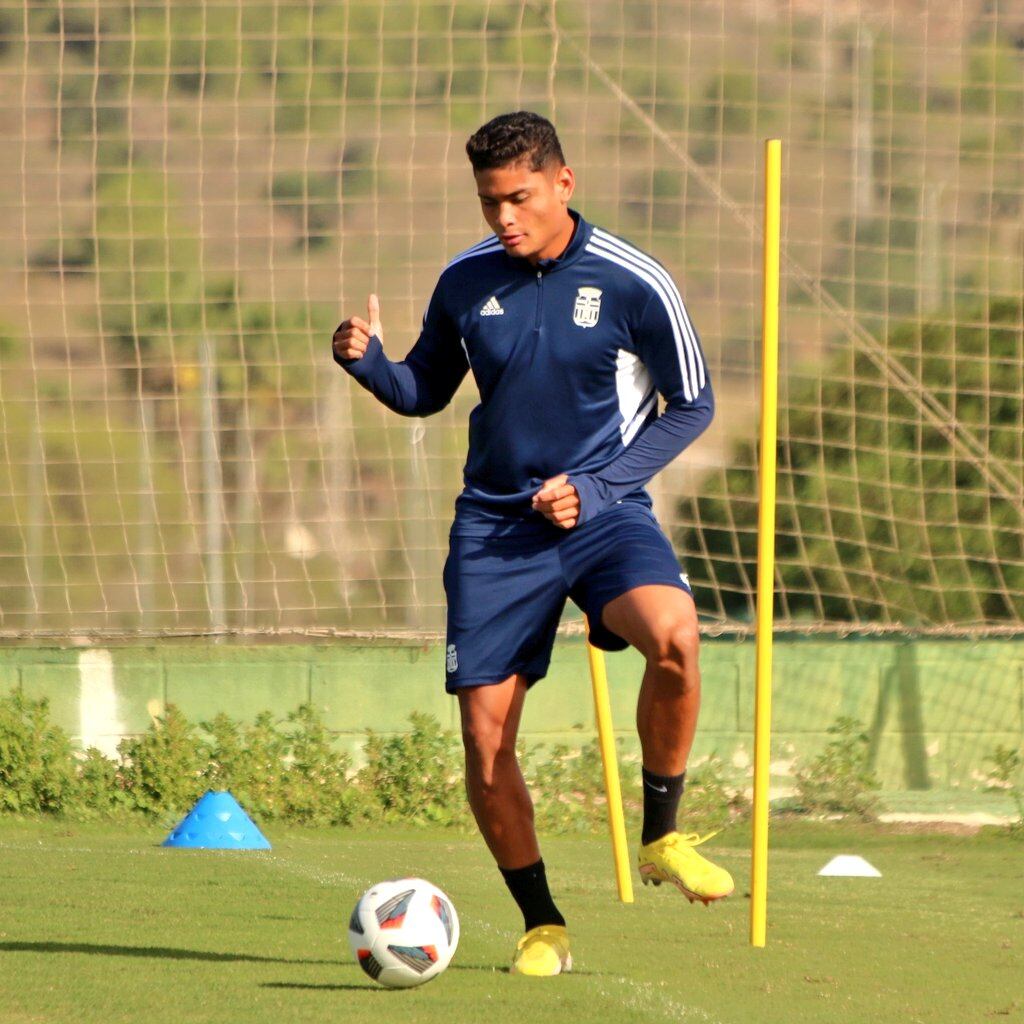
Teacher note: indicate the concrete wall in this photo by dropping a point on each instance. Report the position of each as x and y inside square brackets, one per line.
[934, 709]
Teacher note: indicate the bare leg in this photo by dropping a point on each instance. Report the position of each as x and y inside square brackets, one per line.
[661, 623]
[497, 791]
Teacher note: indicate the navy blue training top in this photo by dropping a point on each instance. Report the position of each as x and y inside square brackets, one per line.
[569, 357]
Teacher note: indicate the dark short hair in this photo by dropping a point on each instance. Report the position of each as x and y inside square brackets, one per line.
[512, 138]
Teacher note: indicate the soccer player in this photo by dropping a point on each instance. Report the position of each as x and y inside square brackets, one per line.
[570, 333]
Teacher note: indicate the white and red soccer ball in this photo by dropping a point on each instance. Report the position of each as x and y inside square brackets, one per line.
[403, 932]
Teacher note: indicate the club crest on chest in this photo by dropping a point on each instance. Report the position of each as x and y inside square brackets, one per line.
[587, 308]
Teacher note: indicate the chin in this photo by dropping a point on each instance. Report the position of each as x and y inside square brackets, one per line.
[522, 249]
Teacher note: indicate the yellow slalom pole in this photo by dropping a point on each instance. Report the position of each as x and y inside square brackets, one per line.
[766, 541]
[612, 789]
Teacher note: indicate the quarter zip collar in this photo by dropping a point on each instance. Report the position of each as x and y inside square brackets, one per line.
[573, 250]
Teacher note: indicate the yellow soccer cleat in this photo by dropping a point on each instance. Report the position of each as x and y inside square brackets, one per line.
[543, 952]
[672, 858]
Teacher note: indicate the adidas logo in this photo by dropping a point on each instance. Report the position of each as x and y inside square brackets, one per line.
[491, 308]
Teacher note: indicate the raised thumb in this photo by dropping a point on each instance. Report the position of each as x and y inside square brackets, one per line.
[373, 315]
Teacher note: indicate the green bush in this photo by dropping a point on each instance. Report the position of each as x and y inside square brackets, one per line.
[569, 795]
[1007, 775]
[163, 770]
[839, 780]
[415, 777]
[713, 799]
[100, 790]
[315, 786]
[567, 787]
[248, 760]
[287, 771]
[290, 771]
[37, 767]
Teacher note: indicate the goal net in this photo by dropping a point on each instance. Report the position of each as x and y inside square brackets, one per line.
[196, 194]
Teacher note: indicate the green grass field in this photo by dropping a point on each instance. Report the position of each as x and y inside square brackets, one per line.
[98, 924]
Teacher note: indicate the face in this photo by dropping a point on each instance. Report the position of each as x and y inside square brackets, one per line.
[528, 210]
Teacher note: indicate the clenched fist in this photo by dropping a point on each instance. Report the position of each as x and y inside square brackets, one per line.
[353, 335]
[558, 502]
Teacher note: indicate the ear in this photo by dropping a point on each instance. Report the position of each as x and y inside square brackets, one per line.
[565, 183]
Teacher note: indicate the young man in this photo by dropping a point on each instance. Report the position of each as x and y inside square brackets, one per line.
[570, 334]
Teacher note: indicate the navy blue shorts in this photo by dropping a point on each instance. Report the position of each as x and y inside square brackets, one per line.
[506, 593]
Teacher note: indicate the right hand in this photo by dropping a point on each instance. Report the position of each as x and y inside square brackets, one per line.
[353, 335]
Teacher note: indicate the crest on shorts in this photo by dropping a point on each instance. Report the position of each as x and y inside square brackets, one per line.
[451, 659]
[587, 308]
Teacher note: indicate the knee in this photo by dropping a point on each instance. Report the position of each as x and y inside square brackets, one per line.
[673, 650]
[487, 745]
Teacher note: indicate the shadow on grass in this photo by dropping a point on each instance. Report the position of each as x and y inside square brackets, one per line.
[208, 956]
[160, 952]
[370, 987]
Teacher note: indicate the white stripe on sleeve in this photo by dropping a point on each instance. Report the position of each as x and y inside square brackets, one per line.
[640, 258]
[689, 390]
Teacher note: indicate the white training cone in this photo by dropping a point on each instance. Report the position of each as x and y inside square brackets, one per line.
[848, 865]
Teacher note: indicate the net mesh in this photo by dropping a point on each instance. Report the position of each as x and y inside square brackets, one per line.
[197, 193]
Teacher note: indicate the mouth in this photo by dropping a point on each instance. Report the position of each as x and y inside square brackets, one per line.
[512, 239]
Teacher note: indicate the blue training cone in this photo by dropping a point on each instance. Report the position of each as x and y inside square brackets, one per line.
[217, 822]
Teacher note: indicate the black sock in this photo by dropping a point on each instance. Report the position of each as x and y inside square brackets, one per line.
[529, 888]
[662, 794]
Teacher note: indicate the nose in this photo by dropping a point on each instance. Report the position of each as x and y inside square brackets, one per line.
[506, 215]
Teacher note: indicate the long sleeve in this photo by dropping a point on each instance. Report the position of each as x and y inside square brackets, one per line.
[669, 347]
[425, 381]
